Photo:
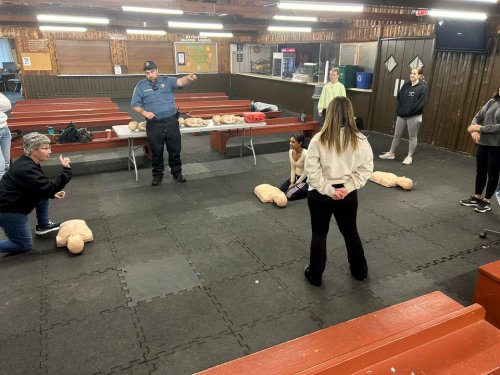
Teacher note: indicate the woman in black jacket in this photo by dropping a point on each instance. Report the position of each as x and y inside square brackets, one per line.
[410, 104]
[25, 187]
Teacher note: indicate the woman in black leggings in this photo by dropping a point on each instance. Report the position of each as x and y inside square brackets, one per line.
[487, 137]
[339, 162]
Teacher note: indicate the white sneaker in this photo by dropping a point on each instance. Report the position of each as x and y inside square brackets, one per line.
[498, 196]
[387, 156]
[408, 160]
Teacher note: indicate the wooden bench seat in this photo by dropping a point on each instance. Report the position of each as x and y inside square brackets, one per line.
[218, 140]
[52, 108]
[200, 98]
[487, 292]
[99, 142]
[63, 100]
[198, 94]
[431, 334]
[54, 113]
[220, 104]
[81, 121]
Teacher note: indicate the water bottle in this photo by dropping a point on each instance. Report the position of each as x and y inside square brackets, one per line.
[303, 117]
[252, 106]
[50, 130]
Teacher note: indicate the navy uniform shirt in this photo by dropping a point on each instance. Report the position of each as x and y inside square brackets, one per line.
[160, 101]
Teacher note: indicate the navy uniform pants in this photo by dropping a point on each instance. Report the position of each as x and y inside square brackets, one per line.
[162, 133]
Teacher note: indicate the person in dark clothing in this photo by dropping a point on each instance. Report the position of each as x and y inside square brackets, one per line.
[154, 99]
[487, 137]
[25, 187]
[411, 101]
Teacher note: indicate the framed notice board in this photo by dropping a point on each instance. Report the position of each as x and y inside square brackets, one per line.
[196, 57]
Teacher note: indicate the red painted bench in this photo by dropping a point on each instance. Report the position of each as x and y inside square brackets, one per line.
[60, 122]
[218, 140]
[210, 105]
[431, 334]
[63, 101]
[198, 94]
[487, 291]
[200, 97]
[63, 107]
[99, 142]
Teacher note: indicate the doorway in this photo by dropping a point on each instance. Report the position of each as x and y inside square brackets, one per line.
[397, 58]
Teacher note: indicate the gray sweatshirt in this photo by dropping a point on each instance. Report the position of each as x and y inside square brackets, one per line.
[489, 118]
[4, 107]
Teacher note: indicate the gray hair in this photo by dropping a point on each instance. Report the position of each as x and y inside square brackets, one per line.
[33, 141]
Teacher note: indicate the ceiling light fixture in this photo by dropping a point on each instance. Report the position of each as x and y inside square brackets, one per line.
[151, 10]
[289, 28]
[63, 28]
[146, 32]
[455, 14]
[296, 18]
[216, 34]
[72, 19]
[195, 25]
[312, 6]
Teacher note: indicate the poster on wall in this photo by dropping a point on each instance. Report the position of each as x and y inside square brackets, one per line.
[196, 57]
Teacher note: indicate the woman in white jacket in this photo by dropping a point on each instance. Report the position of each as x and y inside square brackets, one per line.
[4, 135]
[339, 162]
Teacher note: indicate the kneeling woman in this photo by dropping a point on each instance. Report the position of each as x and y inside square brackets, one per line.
[339, 162]
[295, 187]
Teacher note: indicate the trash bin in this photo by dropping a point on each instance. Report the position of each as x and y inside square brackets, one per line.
[347, 75]
[363, 80]
[317, 93]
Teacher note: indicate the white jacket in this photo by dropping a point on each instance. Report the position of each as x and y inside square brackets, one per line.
[324, 167]
[4, 107]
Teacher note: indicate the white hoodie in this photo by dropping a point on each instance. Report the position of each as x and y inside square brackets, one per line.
[4, 107]
[325, 168]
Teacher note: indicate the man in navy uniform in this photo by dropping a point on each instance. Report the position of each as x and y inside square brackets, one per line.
[154, 99]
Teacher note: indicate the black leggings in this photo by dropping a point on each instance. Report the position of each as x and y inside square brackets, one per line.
[345, 211]
[487, 169]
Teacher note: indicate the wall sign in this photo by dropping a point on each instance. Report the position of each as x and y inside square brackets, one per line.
[196, 57]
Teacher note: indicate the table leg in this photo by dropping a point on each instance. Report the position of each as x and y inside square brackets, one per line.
[250, 147]
[131, 157]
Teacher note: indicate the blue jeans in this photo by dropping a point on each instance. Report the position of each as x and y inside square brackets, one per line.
[4, 149]
[17, 229]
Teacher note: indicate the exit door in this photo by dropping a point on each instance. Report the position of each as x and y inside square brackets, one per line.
[397, 58]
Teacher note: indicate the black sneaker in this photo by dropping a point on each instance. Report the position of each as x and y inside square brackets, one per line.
[49, 227]
[471, 202]
[307, 274]
[179, 177]
[156, 180]
[482, 207]
[359, 274]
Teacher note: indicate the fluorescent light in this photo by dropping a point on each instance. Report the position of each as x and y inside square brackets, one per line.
[72, 19]
[215, 34]
[289, 28]
[146, 32]
[296, 18]
[195, 25]
[455, 14]
[331, 7]
[151, 10]
[310, 64]
[62, 28]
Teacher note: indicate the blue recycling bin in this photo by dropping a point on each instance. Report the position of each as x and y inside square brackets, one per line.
[363, 80]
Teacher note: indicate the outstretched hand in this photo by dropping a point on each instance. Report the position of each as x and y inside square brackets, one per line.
[64, 161]
[60, 194]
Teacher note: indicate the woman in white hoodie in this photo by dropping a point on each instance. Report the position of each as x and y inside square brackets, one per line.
[4, 135]
[339, 162]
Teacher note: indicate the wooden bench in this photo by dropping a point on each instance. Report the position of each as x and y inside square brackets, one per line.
[99, 142]
[431, 334]
[64, 107]
[199, 94]
[61, 121]
[63, 100]
[200, 98]
[189, 107]
[487, 292]
[218, 140]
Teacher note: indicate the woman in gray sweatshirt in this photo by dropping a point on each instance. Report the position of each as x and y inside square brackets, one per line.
[485, 131]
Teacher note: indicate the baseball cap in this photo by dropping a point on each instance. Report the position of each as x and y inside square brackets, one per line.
[149, 65]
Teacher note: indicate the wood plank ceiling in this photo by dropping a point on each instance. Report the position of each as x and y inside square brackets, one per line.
[238, 16]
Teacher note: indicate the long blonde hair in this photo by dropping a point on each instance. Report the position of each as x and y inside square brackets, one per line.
[339, 114]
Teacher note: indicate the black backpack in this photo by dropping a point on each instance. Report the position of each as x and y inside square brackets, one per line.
[68, 135]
